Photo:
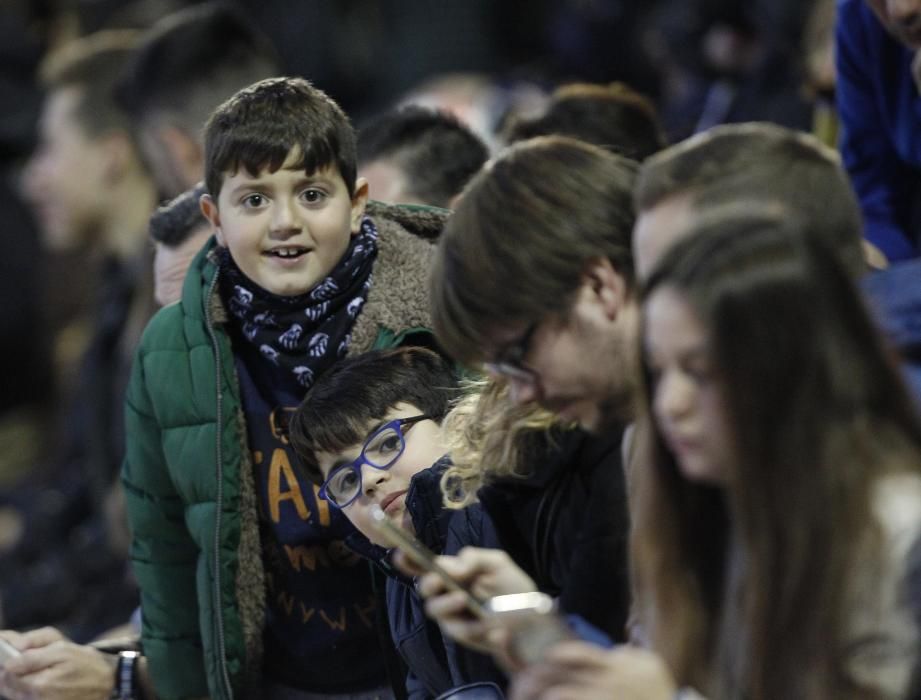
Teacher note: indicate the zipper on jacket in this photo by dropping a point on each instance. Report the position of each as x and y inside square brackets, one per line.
[225, 675]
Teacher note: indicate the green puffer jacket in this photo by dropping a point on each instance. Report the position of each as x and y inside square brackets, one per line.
[188, 477]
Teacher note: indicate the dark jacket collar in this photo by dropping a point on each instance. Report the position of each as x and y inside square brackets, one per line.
[430, 520]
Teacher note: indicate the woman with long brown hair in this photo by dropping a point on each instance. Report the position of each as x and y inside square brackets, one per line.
[782, 489]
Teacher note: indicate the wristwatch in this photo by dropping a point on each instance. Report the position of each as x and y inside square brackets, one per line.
[125, 676]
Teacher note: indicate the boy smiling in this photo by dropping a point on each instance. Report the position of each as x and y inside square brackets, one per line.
[246, 586]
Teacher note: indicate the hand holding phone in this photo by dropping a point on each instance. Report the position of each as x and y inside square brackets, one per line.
[529, 626]
[421, 556]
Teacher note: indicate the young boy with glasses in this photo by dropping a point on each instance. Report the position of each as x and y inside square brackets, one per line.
[368, 433]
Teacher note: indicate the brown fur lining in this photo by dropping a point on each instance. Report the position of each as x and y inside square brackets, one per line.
[398, 299]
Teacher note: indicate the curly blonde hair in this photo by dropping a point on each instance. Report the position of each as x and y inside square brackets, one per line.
[489, 436]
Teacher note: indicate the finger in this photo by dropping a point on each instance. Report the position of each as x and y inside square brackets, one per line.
[34, 660]
[42, 637]
[431, 585]
[571, 691]
[578, 654]
[469, 634]
[477, 560]
[406, 565]
[533, 682]
[14, 638]
[463, 569]
[448, 605]
[12, 688]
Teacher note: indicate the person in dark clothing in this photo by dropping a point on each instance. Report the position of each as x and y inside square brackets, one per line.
[566, 525]
[550, 312]
[418, 155]
[185, 66]
[88, 188]
[614, 116]
[876, 42]
[367, 434]
[178, 230]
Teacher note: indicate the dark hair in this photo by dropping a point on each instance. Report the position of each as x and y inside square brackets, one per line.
[92, 64]
[262, 124]
[524, 230]
[614, 116]
[817, 413]
[436, 152]
[759, 161]
[172, 223]
[191, 61]
[339, 408]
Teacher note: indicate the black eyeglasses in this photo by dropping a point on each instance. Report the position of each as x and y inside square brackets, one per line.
[510, 362]
[381, 450]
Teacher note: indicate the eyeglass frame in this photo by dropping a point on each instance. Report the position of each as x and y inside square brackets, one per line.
[510, 362]
[357, 463]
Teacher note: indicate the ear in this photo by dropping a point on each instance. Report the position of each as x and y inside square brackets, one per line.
[118, 153]
[184, 153]
[359, 202]
[608, 287]
[210, 211]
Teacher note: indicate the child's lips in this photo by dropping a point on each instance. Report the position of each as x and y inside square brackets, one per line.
[292, 252]
[391, 499]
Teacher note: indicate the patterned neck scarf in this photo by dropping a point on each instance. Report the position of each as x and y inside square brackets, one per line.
[303, 334]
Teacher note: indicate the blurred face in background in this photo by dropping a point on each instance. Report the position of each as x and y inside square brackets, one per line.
[65, 179]
[902, 18]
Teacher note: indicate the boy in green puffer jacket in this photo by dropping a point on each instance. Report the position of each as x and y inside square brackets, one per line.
[246, 587]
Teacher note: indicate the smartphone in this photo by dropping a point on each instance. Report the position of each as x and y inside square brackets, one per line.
[7, 651]
[421, 556]
[532, 623]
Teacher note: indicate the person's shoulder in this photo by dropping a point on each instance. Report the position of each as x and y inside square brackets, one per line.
[398, 302]
[420, 221]
[854, 12]
[163, 328]
[406, 241]
[858, 28]
[172, 329]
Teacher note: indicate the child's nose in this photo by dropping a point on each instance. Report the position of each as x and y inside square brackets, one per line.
[284, 219]
[378, 478]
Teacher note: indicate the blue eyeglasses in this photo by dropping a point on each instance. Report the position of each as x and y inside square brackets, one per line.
[380, 451]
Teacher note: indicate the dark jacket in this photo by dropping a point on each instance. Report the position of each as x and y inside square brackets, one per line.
[188, 472]
[566, 525]
[894, 295]
[436, 663]
[880, 112]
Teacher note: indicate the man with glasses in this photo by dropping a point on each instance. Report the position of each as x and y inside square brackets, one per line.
[533, 280]
[368, 434]
[533, 277]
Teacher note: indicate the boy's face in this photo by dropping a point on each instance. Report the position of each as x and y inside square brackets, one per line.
[286, 230]
[387, 487]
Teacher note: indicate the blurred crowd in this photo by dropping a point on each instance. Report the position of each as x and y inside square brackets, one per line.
[513, 120]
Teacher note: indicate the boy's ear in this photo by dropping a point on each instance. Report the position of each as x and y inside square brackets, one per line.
[607, 285]
[359, 202]
[209, 210]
